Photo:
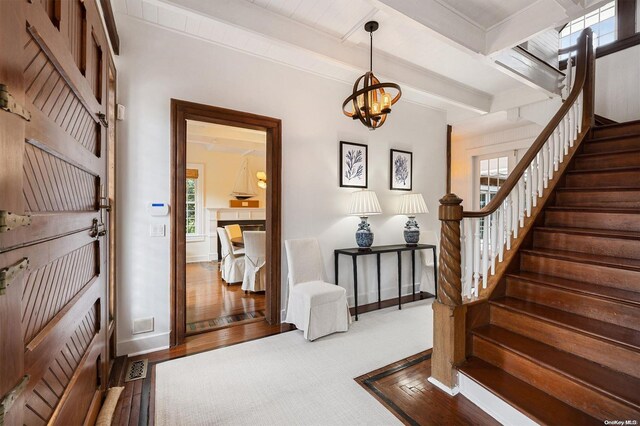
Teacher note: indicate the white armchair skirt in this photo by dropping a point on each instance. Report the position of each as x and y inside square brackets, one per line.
[318, 308]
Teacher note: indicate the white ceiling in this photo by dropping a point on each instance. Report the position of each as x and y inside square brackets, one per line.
[220, 138]
[435, 49]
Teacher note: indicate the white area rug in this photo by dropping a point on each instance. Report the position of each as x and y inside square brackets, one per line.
[285, 380]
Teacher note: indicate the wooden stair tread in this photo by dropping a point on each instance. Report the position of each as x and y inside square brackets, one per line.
[632, 151]
[599, 329]
[610, 382]
[612, 293]
[597, 188]
[620, 124]
[603, 233]
[595, 209]
[527, 399]
[614, 137]
[573, 256]
[604, 170]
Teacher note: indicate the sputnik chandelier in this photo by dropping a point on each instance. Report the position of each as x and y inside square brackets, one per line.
[370, 101]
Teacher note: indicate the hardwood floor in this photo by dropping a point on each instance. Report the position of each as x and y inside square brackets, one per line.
[403, 388]
[212, 304]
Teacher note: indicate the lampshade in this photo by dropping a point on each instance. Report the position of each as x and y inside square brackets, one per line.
[364, 203]
[412, 204]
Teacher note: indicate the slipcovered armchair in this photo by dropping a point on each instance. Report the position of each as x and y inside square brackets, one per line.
[314, 306]
[427, 282]
[254, 261]
[232, 264]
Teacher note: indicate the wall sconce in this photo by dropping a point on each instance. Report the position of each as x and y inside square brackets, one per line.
[262, 180]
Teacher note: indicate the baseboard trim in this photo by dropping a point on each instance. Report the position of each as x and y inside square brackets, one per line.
[197, 259]
[143, 345]
[491, 403]
[437, 383]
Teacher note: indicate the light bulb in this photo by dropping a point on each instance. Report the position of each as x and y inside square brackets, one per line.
[262, 184]
[386, 100]
[375, 108]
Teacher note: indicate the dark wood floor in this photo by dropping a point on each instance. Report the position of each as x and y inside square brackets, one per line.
[403, 388]
[212, 304]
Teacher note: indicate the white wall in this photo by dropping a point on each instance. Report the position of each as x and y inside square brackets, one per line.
[618, 85]
[220, 173]
[156, 65]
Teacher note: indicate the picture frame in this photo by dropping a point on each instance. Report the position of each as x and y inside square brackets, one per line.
[354, 165]
[400, 170]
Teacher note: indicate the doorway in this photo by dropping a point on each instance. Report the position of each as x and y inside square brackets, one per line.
[189, 265]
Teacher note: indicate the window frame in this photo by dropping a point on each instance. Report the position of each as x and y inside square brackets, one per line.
[199, 204]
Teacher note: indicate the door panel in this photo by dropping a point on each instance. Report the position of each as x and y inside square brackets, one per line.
[55, 168]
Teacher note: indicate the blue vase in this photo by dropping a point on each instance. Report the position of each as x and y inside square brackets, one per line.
[364, 236]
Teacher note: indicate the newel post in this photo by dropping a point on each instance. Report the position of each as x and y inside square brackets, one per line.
[448, 310]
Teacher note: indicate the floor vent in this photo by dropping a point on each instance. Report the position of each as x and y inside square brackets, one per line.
[136, 370]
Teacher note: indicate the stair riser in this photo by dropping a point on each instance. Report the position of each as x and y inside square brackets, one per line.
[614, 247]
[612, 145]
[621, 179]
[608, 161]
[610, 199]
[625, 129]
[593, 220]
[594, 349]
[598, 308]
[558, 385]
[595, 274]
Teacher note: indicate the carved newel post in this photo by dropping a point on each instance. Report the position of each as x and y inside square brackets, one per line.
[448, 310]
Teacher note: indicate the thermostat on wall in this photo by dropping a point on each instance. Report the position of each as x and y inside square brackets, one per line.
[158, 209]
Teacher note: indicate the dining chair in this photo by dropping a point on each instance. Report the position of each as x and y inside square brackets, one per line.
[314, 306]
[234, 231]
[255, 247]
[232, 264]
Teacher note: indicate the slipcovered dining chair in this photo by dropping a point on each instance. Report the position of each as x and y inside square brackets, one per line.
[234, 231]
[255, 247]
[314, 306]
[232, 264]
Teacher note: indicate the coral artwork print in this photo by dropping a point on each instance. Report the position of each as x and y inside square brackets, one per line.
[401, 169]
[354, 164]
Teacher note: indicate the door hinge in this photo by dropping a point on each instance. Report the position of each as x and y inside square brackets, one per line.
[9, 221]
[8, 400]
[8, 274]
[103, 119]
[9, 104]
[97, 229]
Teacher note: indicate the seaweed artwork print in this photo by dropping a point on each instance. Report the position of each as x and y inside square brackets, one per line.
[401, 169]
[354, 164]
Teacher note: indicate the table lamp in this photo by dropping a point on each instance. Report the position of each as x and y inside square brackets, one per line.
[364, 203]
[412, 204]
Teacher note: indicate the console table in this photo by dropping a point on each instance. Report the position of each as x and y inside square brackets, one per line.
[378, 250]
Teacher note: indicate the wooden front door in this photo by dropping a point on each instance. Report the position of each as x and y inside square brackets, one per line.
[54, 316]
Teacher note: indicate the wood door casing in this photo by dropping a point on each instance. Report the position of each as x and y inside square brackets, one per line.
[54, 316]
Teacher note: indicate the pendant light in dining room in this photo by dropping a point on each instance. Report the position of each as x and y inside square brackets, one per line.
[371, 100]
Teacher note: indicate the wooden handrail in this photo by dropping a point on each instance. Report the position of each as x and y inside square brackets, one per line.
[584, 41]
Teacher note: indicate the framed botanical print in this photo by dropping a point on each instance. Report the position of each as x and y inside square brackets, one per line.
[401, 170]
[353, 165]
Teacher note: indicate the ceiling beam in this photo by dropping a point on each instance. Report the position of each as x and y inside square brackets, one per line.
[355, 58]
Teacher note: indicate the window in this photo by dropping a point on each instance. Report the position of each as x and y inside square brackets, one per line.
[602, 21]
[194, 202]
[493, 173]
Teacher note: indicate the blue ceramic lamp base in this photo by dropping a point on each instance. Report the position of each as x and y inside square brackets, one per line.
[411, 231]
[364, 236]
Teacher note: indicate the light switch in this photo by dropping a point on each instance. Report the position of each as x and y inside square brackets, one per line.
[156, 230]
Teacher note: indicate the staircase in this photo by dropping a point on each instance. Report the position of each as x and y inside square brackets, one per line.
[562, 340]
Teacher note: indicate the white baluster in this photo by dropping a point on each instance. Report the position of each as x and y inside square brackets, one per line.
[509, 215]
[570, 122]
[494, 240]
[534, 181]
[527, 194]
[500, 240]
[521, 201]
[574, 123]
[541, 185]
[468, 252]
[556, 149]
[545, 165]
[485, 251]
[579, 101]
[550, 158]
[566, 135]
[476, 255]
